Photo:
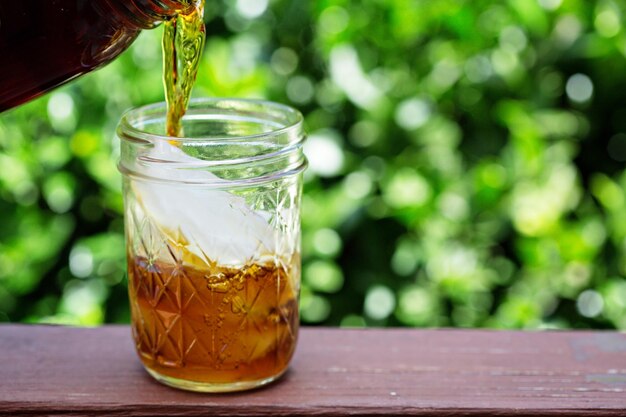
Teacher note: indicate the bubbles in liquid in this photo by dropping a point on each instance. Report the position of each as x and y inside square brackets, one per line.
[218, 283]
[237, 305]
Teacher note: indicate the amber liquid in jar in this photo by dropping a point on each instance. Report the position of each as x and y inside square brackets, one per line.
[213, 325]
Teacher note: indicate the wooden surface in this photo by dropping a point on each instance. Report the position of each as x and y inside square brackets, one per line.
[70, 371]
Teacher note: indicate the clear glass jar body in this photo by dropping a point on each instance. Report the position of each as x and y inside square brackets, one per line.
[213, 241]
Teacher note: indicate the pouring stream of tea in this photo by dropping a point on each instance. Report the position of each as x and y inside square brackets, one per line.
[183, 41]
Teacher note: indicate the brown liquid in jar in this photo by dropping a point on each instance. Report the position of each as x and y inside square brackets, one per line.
[213, 325]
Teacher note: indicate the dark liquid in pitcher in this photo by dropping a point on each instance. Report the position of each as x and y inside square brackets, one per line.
[46, 43]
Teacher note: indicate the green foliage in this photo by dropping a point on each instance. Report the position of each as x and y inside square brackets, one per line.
[466, 162]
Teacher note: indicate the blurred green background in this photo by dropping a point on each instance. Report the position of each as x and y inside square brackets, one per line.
[466, 162]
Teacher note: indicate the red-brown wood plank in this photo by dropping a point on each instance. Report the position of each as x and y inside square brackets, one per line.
[76, 371]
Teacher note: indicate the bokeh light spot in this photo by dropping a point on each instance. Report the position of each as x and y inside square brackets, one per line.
[60, 106]
[380, 302]
[407, 188]
[300, 89]
[327, 242]
[478, 69]
[416, 306]
[284, 61]
[62, 112]
[567, 29]
[81, 262]
[413, 113]
[364, 133]
[58, 191]
[453, 206]
[550, 4]
[404, 259]
[324, 153]
[353, 320]
[607, 23]
[323, 276]
[333, 20]
[590, 303]
[357, 185]
[513, 38]
[346, 72]
[314, 308]
[579, 88]
[251, 9]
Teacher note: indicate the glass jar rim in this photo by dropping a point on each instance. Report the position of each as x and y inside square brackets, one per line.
[271, 151]
[127, 129]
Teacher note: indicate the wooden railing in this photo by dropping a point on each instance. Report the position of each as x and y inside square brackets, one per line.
[47, 370]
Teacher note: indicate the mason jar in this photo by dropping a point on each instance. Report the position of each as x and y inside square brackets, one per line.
[212, 223]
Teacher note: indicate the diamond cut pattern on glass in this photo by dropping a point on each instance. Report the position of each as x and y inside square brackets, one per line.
[193, 319]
